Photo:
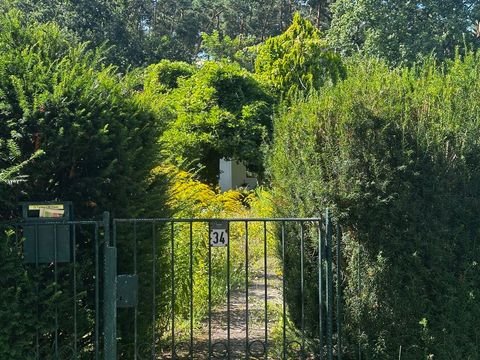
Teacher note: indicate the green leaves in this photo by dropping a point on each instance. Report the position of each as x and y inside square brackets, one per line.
[402, 32]
[166, 76]
[61, 101]
[17, 301]
[219, 111]
[297, 61]
[395, 154]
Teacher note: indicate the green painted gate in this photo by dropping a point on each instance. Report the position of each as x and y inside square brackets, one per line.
[220, 288]
[61, 287]
[184, 288]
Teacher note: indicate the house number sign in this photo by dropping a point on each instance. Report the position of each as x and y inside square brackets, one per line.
[219, 234]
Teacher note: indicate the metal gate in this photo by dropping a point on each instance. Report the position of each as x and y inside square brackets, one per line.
[224, 289]
[58, 285]
[182, 288]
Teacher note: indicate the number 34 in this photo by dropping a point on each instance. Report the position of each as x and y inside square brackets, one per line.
[218, 237]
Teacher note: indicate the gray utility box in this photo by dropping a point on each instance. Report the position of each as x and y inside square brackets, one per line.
[127, 290]
[47, 237]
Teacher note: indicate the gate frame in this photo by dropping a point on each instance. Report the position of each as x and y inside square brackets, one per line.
[325, 274]
[98, 326]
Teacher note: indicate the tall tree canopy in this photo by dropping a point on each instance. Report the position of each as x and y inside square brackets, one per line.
[143, 32]
[403, 31]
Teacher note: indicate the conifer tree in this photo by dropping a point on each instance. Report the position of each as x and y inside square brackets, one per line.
[297, 60]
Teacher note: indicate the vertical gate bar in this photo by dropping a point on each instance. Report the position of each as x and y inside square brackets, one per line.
[55, 277]
[321, 304]
[209, 293]
[37, 330]
[265, 285]
[154, 293]
[135, 315]
[228, 292]
[247, 341]
[97, 294]
[359, 284]
[339, 295]
[110, 304]
[191, 290]
[110, 293]
[302, 289]
[113, 241]
[329, 285]
[172, 260]
[114, 244]
[284, 310]
[74, 245]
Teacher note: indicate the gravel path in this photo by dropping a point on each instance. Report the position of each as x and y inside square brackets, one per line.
[238, 322]
[238, 319]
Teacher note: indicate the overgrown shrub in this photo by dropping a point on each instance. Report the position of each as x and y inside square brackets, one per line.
[17, 302]
[297, 61]
[396, 155]
[79, 133]
[219, 111]
[190, 199]
[98, 142]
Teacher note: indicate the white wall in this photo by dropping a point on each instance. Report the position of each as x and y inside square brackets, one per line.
[225, 178]
[234, 175]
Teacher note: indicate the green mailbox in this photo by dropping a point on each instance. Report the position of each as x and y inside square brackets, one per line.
[47, 237]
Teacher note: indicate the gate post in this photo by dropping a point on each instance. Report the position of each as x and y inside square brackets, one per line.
[329, 283]
[109, 294]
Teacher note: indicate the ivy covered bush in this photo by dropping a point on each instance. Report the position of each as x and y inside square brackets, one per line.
[396, 155]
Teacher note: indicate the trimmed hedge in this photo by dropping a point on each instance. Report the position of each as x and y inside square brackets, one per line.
[396, 155]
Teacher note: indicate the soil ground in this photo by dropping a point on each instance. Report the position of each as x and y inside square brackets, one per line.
[238, 323]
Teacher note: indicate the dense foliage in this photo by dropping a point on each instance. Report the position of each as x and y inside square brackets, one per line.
[393, 151]
[70, 129]
[396, 155]
[17, 302]
[143, 32]
[297, 60]
[220, 111]
[241, 49]
[58, 99]
[403, 31]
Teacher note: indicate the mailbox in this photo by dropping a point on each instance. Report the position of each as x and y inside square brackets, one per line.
[47, 237]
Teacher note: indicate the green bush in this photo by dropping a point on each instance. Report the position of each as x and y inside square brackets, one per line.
[165, 76]
[297, 60]
[59, 98]
[17, 302]
[80, 133]
[396, 155]
[220, 111]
